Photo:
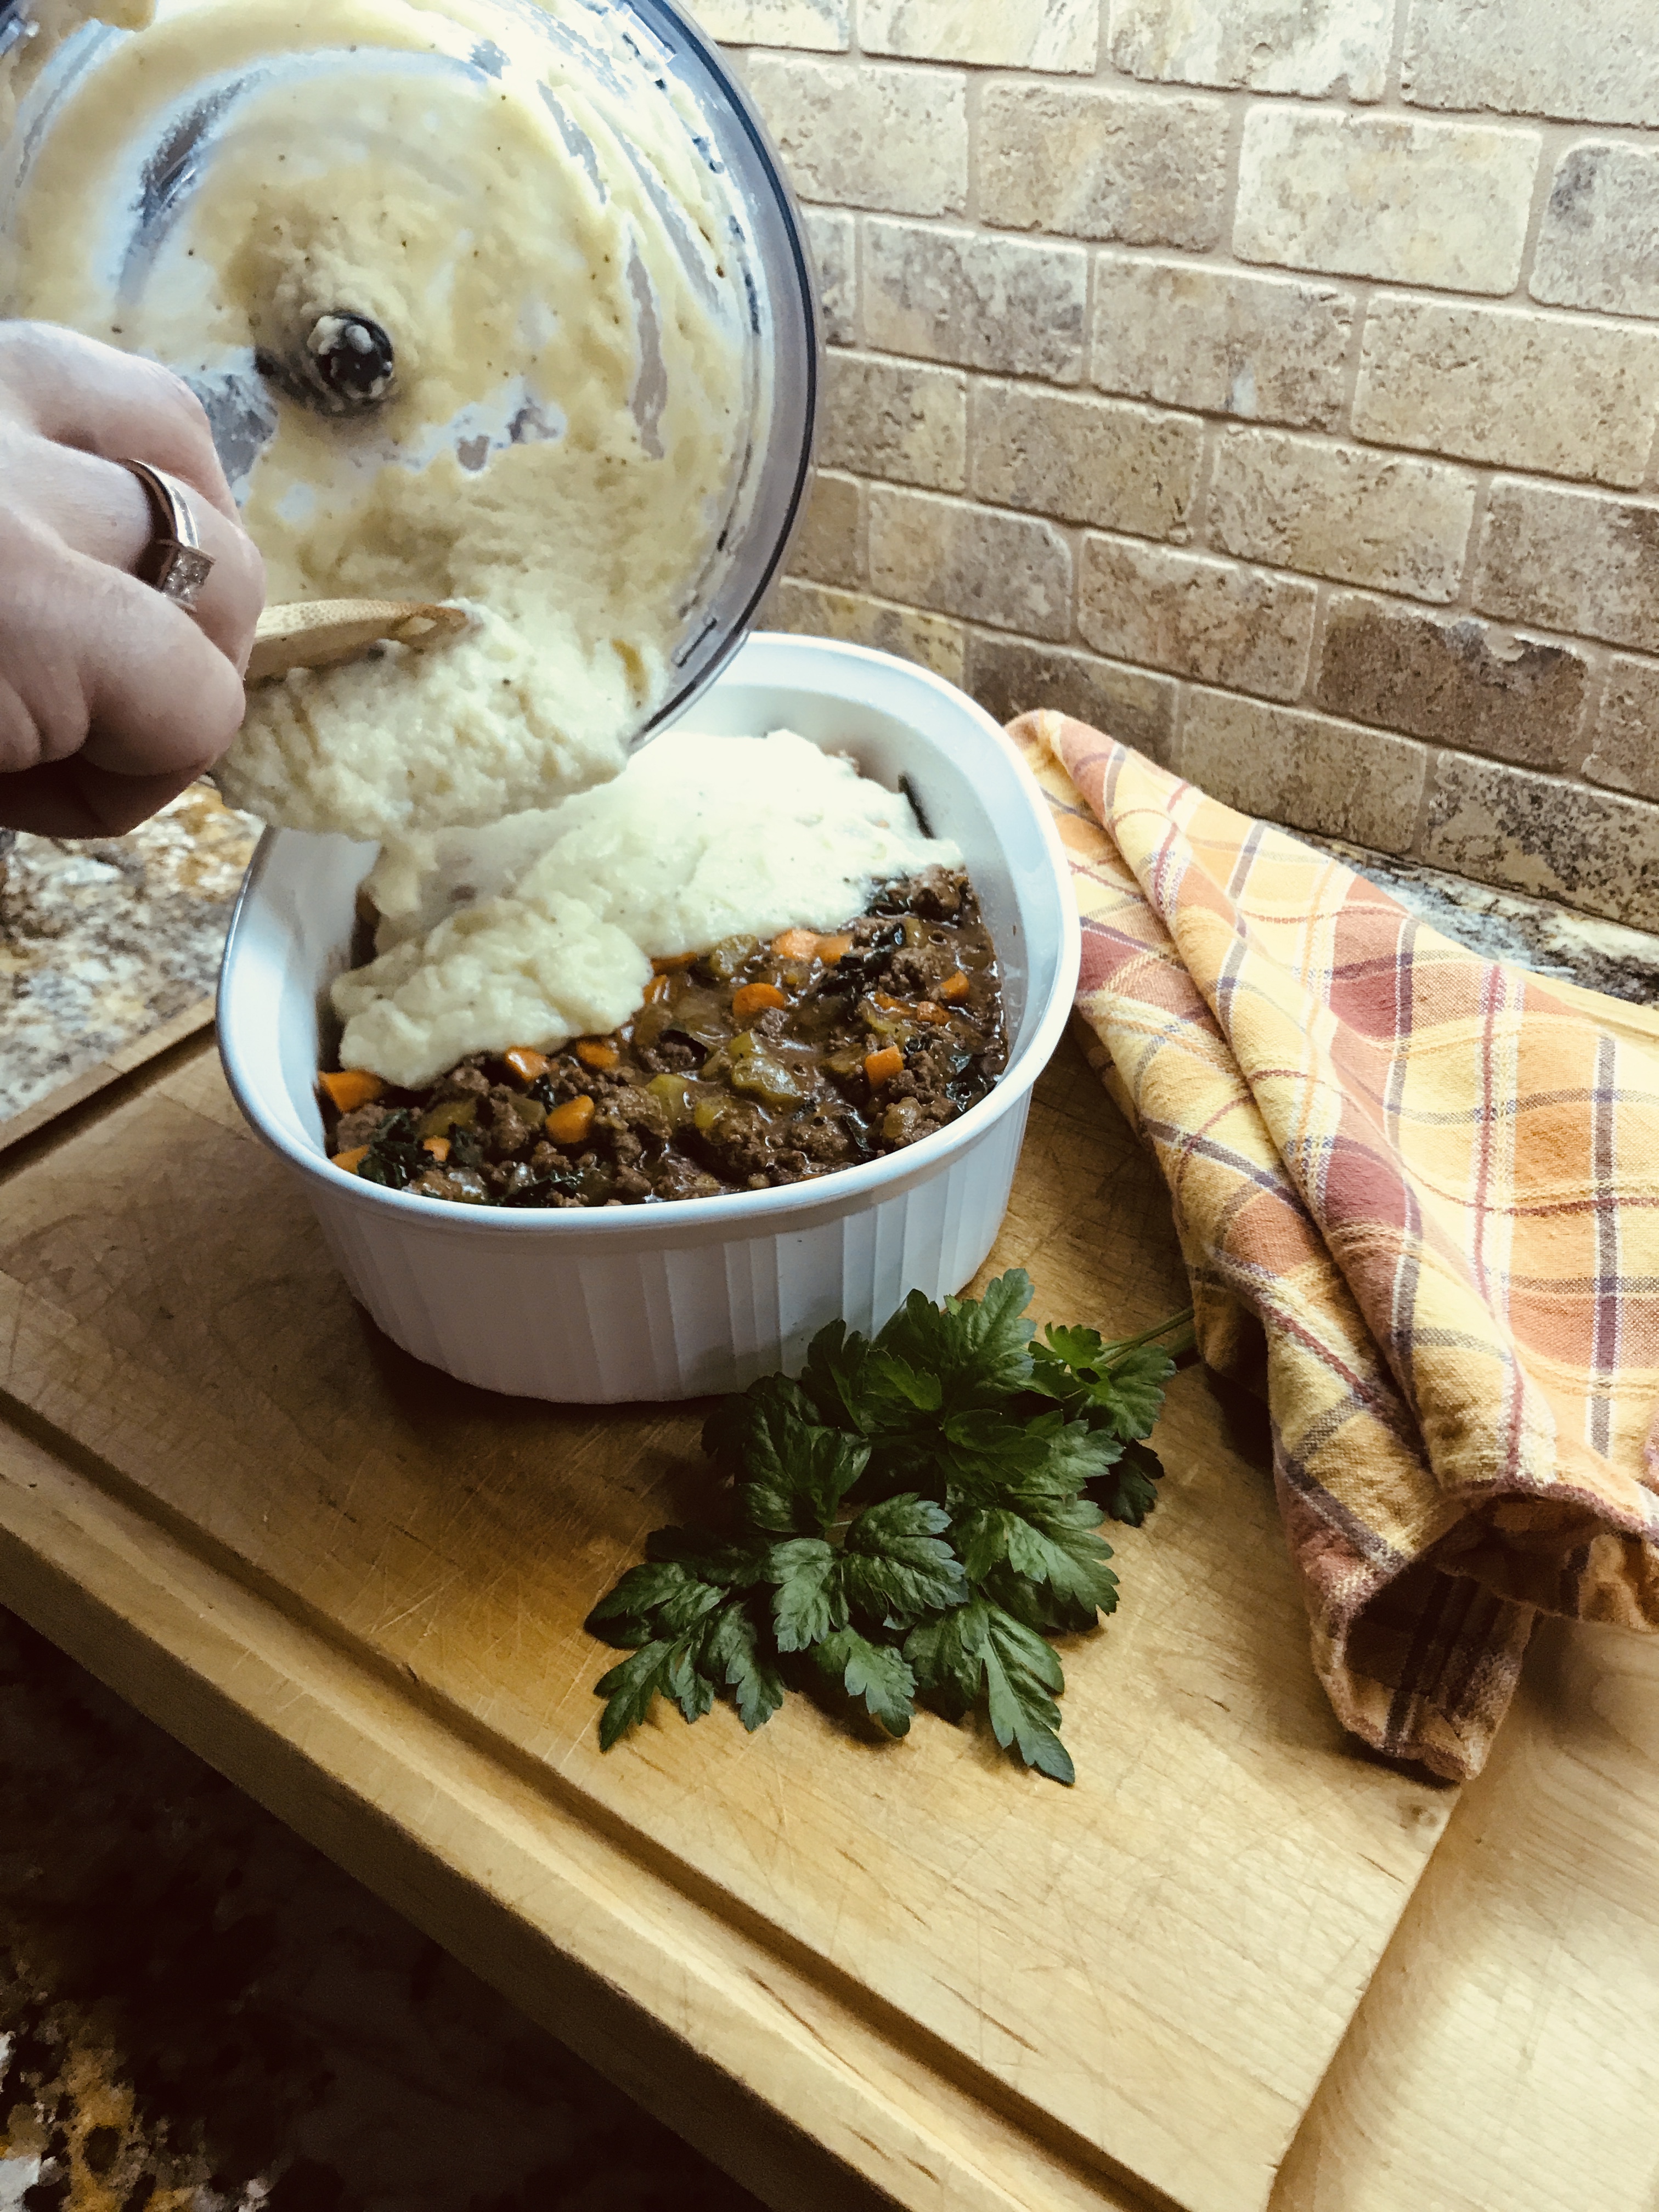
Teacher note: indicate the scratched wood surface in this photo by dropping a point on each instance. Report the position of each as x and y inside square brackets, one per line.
[1506, 2057]
[840, 1965]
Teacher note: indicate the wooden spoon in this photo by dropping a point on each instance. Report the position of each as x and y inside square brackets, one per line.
[317, 633]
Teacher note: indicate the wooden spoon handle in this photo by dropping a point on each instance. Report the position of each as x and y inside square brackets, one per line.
[317, 633]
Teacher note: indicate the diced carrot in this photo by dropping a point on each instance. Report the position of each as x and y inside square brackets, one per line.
[671, 962]
[927, 1012]
[882, 1066]
[754, 999]
[351, 1088]
[954, 987]
[439, 1148]
[656, 989]
[352, 1160]
[526, 1062]
[888, 1004]
[569, 1123]
[594, 1052]
[832, 949]
[796, 944]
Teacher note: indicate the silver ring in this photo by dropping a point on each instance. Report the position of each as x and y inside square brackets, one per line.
[174, 563]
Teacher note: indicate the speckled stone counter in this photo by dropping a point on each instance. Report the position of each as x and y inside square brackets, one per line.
[198, 2012]
[104, 941]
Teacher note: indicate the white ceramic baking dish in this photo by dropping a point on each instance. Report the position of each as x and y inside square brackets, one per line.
[703, 1295]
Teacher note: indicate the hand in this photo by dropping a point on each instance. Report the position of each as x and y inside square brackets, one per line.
[112, 698]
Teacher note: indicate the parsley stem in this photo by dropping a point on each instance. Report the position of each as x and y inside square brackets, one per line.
[1183, 1320]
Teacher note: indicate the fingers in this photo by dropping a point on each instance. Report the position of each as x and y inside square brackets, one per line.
[102, 511]
[71, 799]
[160, 697]
[96, 663]
[119, 405]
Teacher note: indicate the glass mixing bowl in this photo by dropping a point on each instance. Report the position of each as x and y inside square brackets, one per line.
[639, 57]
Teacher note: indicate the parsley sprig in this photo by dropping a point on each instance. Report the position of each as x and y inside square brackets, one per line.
[914, 1516]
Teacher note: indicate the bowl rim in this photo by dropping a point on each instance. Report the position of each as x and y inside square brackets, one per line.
[844, 1190]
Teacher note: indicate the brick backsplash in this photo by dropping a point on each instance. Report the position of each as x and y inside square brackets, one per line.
[1275, 387]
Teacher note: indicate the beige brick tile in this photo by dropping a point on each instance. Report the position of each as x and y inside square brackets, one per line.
[1104, 164]
[1009, 676]
[1575, 561]
[1537, 834]
[1595, 247]
[1198, 616]
[1268, 349]
[834, 240]
[1591, 61]
[1034, 35]
[1302, 769]
[1626, 753]
[816, 610]
[869, 136]
[824, 26]
[998, 303]
[1443, 204]
[830, 547]
[1084, 459]
[1461, 682]
[1317, 48]
[895, 419]
[1340, 511]
[1008, 570]
[1563, 395]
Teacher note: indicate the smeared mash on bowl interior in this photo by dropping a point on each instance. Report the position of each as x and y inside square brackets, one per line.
[50, 23]
[550, 247]
[548, 931]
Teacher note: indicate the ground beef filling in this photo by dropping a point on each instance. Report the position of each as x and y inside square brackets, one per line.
[750, 1066]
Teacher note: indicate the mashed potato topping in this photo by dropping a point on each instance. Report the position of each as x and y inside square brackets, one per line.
[548, 242]
[548, 932]
[530, 210]
[47, 24]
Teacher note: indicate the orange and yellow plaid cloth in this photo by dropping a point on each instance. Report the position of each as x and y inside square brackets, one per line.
[1430, 1183]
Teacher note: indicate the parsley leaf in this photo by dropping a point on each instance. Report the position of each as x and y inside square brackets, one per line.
[732, 1648]
[1022, 1679]
[632, 1690]
[1131, 1390]
[1128, 1490]
[895, 1563]
[889, 1376]
[797, 1471]
[875, 1672]
[980, 1648]
[917, 1514]
[978, 1349]
[1072, 1348]
[807, 1605]
[833, 1377]
[1046, 1540]
[1118, 1386]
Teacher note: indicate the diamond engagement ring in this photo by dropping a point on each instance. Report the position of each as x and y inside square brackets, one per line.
[174, 563]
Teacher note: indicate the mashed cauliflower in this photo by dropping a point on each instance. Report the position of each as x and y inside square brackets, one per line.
[46, 24]
[700, 838]
[532, 218]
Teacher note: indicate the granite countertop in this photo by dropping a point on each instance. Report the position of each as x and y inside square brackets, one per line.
[105, 940]
[199, 2013]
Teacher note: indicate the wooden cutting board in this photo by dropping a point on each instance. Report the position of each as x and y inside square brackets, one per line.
[852, 1972]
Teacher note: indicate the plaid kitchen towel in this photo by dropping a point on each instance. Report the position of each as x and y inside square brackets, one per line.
[1427, 1186]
